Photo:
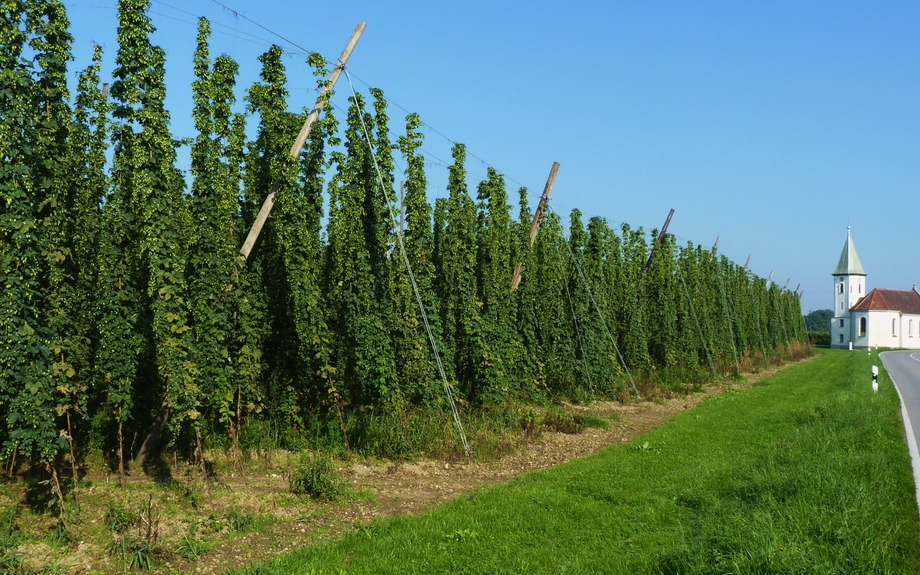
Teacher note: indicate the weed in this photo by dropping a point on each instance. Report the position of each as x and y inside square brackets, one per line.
[530, 423]
[317, 477]
[366, 529]
[139, 553]
[191, 547]
[214, 523]
[645, 447]
[461, 535]
[60, 537]
[594, 422]
[134, 551]
[118, 517]
[9, 534]
[10, 537]
[192, 497]
[562, 421]
[240, 520]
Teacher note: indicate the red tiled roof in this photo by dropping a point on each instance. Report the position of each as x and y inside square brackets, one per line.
[902, 300]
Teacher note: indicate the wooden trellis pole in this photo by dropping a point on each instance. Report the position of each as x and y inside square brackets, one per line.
[541, 207]
[299, 143]
[664, 230]
[651, 255]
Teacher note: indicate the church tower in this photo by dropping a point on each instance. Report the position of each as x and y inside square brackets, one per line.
[849, 288]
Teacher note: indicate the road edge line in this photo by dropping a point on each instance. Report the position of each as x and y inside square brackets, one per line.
[909, 433]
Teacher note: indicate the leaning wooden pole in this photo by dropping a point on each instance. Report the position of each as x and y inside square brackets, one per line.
[299, 143]
[658, 240]
[651, 255]
[516, 278]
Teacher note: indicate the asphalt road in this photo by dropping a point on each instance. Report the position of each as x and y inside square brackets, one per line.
[904, 369]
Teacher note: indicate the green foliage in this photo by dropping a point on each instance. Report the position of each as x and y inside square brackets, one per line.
[563, 422]
[819, 319]
[356, 276]
[191, 547]
[316, 477]
[414, 359]
[119, 518]
[457, 285]
[122, 294]
[817, 326]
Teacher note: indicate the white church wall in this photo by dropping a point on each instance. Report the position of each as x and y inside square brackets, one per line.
[859, 339]
[910, 331]
[884, 328]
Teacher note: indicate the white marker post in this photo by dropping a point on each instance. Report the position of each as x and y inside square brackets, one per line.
[874, 378]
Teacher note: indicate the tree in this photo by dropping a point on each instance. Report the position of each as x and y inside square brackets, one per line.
[268, 320]
[457, 287]
[819, 319]
[493, 258]
[27, 385]
[364, 356]
[151, 189]
[413, 355]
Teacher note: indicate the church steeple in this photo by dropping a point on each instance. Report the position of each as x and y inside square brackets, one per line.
[849, 288]
[849, 264]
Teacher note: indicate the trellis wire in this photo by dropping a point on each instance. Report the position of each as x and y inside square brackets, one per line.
[581, 344]
[699, 327]
[405, 257]
[728, 317]
[603, 319]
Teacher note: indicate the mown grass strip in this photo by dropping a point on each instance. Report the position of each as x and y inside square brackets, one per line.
[806, 472]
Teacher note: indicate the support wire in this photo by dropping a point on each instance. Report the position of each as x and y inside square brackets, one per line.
[600, 314]
[418, 296]
[699, 327]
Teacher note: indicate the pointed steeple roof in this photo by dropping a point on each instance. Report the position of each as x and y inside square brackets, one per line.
[849, 264]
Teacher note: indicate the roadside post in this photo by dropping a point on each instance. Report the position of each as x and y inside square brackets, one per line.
[874, 378]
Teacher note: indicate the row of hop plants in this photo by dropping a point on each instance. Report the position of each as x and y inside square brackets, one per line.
[128, 325]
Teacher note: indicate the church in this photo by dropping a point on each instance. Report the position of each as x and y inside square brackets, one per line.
[883, 317]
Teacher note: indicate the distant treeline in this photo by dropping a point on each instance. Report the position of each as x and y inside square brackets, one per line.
[123, 307]
[818, 326]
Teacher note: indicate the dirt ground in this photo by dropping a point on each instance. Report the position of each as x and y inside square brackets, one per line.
[281, 521]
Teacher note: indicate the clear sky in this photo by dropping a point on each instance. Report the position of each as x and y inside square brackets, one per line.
[770, 124]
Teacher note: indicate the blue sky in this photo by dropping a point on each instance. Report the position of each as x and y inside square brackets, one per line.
[772, 125]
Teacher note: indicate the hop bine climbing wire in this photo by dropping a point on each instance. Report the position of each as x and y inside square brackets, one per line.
[603, 319]
[264, 212]
[418, 297]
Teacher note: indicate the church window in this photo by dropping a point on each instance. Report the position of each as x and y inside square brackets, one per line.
[840, 287]
[841, 338]
[910, 328]
[862, 326]
[851, 289]
[860, 288]
[894, 326]
[841, 323]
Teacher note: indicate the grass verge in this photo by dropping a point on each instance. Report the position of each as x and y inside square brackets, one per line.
[806, 472]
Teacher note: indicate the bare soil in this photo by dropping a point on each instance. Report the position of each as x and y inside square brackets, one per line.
[274, 521]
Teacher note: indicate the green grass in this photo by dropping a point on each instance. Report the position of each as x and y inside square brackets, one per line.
[806, 472]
